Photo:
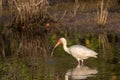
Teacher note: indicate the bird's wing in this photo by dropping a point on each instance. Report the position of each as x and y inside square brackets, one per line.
[82, 51]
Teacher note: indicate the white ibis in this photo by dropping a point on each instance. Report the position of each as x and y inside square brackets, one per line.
[77, 51]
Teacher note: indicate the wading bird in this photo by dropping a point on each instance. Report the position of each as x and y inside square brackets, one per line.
[77, 51]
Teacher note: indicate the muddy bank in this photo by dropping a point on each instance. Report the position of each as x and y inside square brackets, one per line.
[87, 22]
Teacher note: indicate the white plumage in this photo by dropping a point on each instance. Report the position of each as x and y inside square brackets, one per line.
[77, 51]
[81, 52]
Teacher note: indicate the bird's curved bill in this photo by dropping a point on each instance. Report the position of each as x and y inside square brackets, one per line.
[58, 43]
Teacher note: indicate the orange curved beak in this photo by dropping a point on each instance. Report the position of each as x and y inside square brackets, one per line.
[57, 44]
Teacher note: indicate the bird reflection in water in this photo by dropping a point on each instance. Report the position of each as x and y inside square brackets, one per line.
[80, 72]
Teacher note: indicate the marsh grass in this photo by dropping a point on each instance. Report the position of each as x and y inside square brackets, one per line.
[27, 10]
[22, 37]
[103, 11]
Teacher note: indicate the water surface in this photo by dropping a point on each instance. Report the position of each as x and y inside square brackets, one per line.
[63, 66]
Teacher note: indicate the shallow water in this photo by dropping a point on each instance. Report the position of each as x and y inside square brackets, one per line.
[62, 66]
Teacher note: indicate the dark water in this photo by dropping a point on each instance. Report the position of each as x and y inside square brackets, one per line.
[63, 66]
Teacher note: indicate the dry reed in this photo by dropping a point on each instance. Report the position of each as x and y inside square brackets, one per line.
[27, 10]
[75, 8]
[102, 12]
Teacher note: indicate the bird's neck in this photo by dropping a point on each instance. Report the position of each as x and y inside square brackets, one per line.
[65, 47]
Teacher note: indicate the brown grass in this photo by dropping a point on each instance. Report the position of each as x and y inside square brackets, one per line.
[26, 10]
[102, 11]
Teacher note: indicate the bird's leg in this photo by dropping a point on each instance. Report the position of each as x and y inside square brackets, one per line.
[82, 62]
[78, 61]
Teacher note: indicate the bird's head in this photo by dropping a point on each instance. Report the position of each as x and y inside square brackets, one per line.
[60, 41]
